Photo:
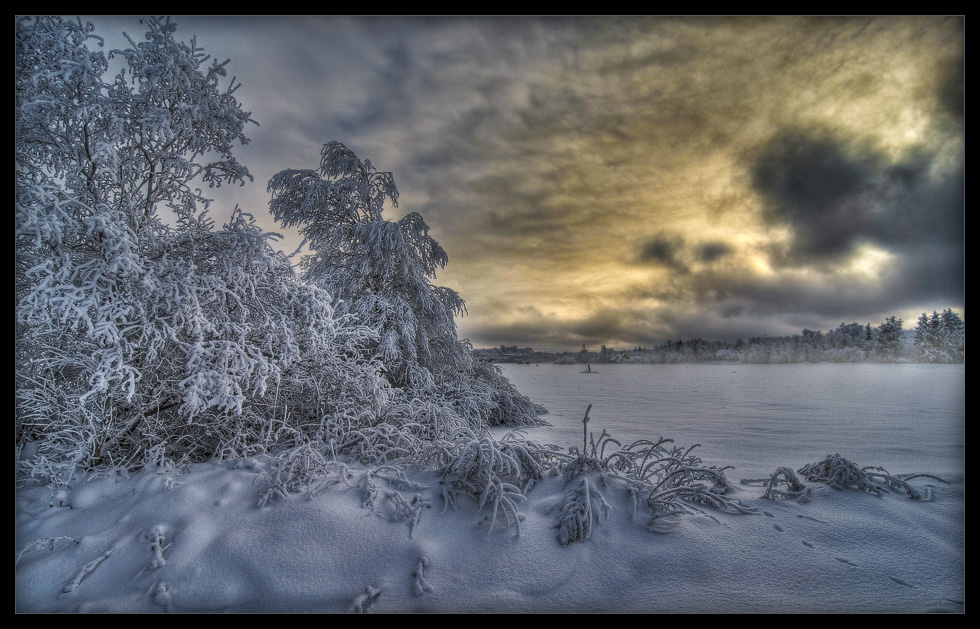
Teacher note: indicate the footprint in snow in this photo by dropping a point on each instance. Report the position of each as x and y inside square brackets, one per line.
[766, 513]
[847, 561]
[808, 544]
[778, 528]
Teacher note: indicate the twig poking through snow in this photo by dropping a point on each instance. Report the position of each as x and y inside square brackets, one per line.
[156, 545]
[398, 508]
[362, 602]
[421, 585]
[163, 597]
[585, 435]
[39, 543]
[89, 567]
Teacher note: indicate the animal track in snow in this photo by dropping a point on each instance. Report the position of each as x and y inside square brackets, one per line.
[847, 561]
[806, 517]
[778, 528]
[900, 582]
[808, 544]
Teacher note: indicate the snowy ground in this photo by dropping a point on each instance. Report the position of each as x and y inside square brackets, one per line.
[197, 541]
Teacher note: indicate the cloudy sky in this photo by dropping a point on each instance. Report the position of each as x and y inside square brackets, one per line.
[625, 180]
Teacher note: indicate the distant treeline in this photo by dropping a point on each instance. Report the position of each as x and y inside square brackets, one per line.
[936, 338]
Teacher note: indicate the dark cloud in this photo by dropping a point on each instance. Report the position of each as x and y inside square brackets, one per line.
[909, 280]
[622, 328]
[741, 294]
[952, 95]
[814, 182]
[674, 253]
[924, 213]
[714, 251]
[836, 194]
[932, 273]
[664, 251]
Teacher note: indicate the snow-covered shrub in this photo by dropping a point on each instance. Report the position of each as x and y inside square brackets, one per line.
[669, 480]
[840, 473]
[144, 343]
[92, 161]
[495, 474]
[225, 350]
[782, 476]
[301, 469]
[141, 343]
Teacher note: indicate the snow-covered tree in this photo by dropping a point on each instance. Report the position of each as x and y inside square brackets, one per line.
[381, 273]
[939, 338]
[811, 343]
[888, 338]
[927, 337]
[847, 343]
[379, 270]
[139, 341]
[163, 122]
[952, 335]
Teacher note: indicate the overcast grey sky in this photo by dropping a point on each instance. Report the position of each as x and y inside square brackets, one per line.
[625, 180]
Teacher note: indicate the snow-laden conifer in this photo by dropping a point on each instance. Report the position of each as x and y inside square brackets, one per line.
[939, 338]
[381, 272]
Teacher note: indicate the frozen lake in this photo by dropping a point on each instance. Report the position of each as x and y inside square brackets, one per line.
[906, 418]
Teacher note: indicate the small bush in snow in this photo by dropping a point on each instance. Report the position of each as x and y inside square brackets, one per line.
[840, 473]
[782, 476]
[495, 474]
[669, 480]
